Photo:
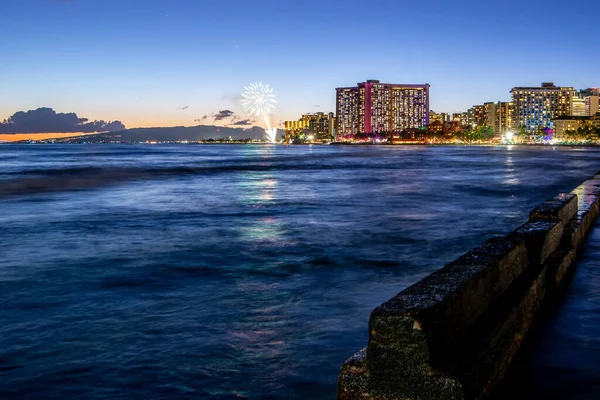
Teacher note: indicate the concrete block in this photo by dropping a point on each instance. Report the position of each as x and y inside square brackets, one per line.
[542, 237]
[562, 207]
[413, 329]
[508, 325]
[560, 264]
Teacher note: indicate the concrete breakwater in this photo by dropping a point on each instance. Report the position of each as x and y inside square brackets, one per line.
[454, 334]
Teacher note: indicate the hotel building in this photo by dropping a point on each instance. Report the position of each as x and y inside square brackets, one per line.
[536, 107]
[320, 126]
[592, 105]
[573, 123]
[372, 107]
[578, 107]
[480, 114]
[500, 117]
[462, 118]
[568, 123]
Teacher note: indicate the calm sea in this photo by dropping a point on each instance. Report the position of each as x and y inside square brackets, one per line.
[228, 272]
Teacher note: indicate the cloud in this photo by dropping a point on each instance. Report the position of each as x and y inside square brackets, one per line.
[183, 108]
[223, 114]
[46, 120]
[244, 122]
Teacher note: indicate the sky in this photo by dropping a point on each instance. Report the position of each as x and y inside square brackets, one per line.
[171, 62]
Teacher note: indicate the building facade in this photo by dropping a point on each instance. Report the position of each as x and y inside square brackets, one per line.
[317, 126]
[381, 108]
[500, 117]
[462, 118]
[592, 105]
[568, 123]
[480, 115]
[433, 117]
[538, 107]
[578, 107]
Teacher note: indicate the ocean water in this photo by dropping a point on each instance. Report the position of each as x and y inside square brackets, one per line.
[228, 272]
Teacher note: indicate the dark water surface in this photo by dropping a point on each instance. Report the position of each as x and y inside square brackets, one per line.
[227, 272]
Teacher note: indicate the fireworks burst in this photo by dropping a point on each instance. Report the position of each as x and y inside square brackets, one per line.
[258, 100]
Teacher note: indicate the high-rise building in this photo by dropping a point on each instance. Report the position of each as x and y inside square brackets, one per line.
[480, 115]
[471, 117]
[592, 105]
[578, 109]
[536, 107]
[500, 117]
[381, 108]
[319, 125]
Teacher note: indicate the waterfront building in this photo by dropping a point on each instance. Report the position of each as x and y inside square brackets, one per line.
[435, 127]
[568, 123]
[480, 115]
[578, 107]
[373, 107]
[592, 105]
[500, 117]
[538, 107]
[462, 118]
[595, 120]
[433, 117]
[471, 117]
[315, 126]
[451, 128]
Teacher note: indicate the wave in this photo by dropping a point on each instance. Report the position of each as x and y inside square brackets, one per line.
[43, 181]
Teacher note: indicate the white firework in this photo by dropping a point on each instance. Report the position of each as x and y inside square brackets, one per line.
[258, 99]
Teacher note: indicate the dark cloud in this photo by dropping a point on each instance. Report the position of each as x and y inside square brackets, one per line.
[46, 120]
[183, 108]
[223, 114]
[244, 122]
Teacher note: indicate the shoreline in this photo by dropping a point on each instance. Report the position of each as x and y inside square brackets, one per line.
[314, 144]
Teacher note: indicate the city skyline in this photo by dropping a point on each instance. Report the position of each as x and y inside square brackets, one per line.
[168, 65]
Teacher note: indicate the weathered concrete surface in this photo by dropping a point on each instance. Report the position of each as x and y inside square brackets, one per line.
[435, 312]
[454, 334]
[497, 338]
[542, 237]
[559, 266]
[562, 207]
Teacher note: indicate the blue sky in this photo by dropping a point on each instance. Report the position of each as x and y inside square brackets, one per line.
[140, 61]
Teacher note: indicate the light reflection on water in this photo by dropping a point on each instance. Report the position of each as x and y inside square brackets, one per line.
[233, 271]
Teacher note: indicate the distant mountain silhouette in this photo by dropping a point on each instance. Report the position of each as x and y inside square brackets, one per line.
[179, 133]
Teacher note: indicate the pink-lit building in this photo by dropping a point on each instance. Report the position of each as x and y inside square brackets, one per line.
[372, 107]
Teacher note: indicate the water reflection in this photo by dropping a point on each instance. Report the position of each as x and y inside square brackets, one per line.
[510, 178]
[239, 270]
